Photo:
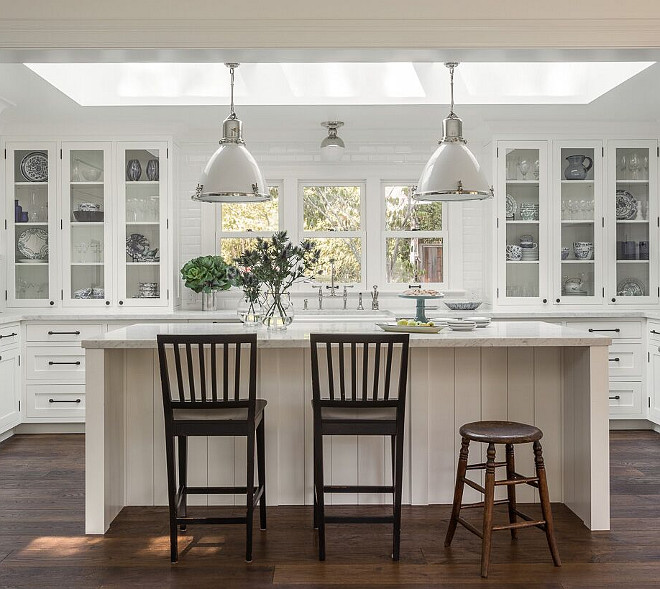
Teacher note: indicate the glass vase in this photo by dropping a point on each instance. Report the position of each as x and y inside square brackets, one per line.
[277, 310]
[208, 301]
[250, 312]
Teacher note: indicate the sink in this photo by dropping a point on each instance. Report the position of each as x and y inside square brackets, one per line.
[341, 315]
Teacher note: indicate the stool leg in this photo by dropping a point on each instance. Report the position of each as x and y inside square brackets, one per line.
[250, 494]
[458, 490]
[318, 486]
[545, 503]
[511, 489]
[171, 494]
[397, 475]
[261, 470]
[183, 476]
[488, 509]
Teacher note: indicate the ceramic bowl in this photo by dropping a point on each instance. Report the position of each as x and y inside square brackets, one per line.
[583, 250]
[89, 206]
[564, 253]
[463, 305]
[514, 252]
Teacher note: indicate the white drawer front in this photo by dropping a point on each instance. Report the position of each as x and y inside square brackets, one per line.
[62, 332]
[625, 398]
[55, 364]
[56, 401]
[625, 360]
[9, 335]
[616, 329]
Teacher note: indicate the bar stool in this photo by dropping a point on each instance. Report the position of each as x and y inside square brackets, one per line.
[373, 410]
[508, 433]
[195, 405]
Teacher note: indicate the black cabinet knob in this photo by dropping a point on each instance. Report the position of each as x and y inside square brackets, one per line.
[121, 302]
[545, 300]
[557, 300]
[107, 302]
[613, 299]
[52, 303]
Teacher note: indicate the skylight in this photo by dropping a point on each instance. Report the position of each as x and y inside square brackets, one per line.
[140, 84]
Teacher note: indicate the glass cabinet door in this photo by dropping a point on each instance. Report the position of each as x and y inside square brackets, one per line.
[632, 208]
[143, 219]
[578, 261]
[31, 263]
[86, 222]
[522, 222]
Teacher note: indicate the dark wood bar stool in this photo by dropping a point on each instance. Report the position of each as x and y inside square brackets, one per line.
[204, 395]
[508, 433]
[364, 405]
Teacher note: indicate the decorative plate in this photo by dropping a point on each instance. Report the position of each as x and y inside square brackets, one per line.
[34, 167]
[511, 206]
[137, 245]
[626, 206]
[630, 287]
[409, 328]
[463, 305]
[33, 244]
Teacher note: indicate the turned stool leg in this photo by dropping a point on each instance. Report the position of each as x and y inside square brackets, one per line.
[489, 498]
[545, 503]
[458, 490]
[511, 489]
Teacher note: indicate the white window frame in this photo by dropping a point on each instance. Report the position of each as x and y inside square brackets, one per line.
[451, 258]
[361, 233]
[220, 234]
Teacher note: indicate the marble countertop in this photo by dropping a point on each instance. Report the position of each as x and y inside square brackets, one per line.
[498, 334]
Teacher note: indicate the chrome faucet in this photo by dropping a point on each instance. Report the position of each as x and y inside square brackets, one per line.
[360, 307]
[345, 295]
[374, 299]
[332, 286]
[320, 291]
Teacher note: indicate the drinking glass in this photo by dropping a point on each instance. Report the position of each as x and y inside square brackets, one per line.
[81, 249]
[623, 166]
[634, 165]
[524, 166]
[536, 169]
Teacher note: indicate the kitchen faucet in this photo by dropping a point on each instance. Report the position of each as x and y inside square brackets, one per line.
[345, 295]
[320, 291]
[332, 286]
[374, 299]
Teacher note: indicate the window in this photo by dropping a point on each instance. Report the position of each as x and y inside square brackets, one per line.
[241, 223]
[332, 217]
[415, 237]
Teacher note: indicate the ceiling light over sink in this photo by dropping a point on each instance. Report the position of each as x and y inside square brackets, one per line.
[332, 147]
[452, 173]
[232, 174]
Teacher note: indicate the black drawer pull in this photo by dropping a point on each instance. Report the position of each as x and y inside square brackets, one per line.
[615, 359]
[617, 330]
[64, 332]
[58, 401]
[51, 363]
[615, 398]
[655, 332]
[10, 335]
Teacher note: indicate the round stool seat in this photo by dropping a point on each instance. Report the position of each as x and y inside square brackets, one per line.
[500, 432]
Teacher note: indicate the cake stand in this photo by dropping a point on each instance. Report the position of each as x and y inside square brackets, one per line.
[420, 314]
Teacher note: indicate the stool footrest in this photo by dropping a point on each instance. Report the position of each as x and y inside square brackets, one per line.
[358, 489]
[365, 519]
[518, 480]
[217, 490]
[470, 527]
[211, 520]
[482, 465]
[481, 504]
[517, 525]
[474, 485]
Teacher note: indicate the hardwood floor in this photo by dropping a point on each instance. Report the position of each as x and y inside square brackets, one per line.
[42, 543]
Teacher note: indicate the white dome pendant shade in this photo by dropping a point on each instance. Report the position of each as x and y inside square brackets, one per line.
[452, 173]
[232, 174]
[332, 147]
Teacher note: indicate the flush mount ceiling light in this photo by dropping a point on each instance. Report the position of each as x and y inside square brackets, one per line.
[332, 147]
[232, 174]
[452, 173]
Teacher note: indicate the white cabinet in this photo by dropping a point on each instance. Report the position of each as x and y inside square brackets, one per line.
[653, 392]
[10, 379]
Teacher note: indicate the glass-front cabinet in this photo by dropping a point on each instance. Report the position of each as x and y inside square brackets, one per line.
[522, 223]
[142, 221]
[578, 255]
[632, 216]
[86, 224]
[30, 172]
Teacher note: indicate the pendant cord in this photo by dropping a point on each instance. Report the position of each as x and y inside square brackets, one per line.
[232, 114]
[451, 84]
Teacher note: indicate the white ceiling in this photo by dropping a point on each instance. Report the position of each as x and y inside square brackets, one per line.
[38, 108]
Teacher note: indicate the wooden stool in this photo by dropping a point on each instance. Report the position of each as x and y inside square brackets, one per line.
[508, 433]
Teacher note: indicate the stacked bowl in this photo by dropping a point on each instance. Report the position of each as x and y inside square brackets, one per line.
[530, 250]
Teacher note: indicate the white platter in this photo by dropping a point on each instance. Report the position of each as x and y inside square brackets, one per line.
[393, 327]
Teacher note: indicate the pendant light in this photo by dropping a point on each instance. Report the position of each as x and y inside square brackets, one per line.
[232, 174]
[332, 147]
[452, 173]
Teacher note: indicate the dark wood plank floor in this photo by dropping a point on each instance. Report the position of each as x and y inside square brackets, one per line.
[42, 543]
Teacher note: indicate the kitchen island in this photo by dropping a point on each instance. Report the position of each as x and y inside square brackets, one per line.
[548, 375]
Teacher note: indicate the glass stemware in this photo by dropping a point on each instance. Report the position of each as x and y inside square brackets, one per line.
[634, 165]
[623, 166]
[524, 167]
[536, 169]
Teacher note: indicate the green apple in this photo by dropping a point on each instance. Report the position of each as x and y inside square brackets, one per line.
[412, 323]
[402, 322]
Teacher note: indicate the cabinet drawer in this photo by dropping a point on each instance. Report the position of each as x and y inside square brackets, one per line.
[625, 360]
[58, 400]
[9, 335]
[62, 332]
[625, 398]
[615, 329]
[55, 364]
